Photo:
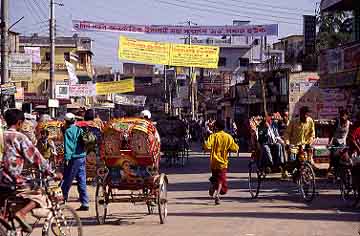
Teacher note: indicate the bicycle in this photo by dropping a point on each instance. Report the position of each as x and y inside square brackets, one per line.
[299, 167]
[59, 219]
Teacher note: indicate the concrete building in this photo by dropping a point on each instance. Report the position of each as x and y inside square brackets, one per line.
[293, 46]
[77, 50]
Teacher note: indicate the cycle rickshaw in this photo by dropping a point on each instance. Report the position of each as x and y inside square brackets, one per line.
[299, 167]
[131, 153]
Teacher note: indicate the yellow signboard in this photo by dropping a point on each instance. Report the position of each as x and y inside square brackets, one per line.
[122, 86]
[194, 56]
[168, 54]
[144, 51]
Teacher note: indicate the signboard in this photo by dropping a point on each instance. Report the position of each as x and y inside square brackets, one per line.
[194, 56]
[130, 100]
[8, 89]
[144, 51]
[62, 90]
[35, 54]
[168, 54]
[82, 90]
[19, 95]
[309, 33]
[304, 90]
[122, 86]
[73, 79]
[238, 30]
[20, 66]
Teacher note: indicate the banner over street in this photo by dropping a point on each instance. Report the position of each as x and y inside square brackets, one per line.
[238, 30]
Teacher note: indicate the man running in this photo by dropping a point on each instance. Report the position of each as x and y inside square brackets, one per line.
[219, 144]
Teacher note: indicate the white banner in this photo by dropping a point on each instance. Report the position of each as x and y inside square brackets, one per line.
[35, 54]
[62, 90]
[239, 30]
[73, 79]
[20, 66]
[130, 100]
[82, 90]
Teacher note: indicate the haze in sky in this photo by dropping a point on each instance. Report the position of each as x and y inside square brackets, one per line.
[287, 13]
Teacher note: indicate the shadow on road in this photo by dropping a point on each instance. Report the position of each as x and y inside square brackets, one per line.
[273, 215]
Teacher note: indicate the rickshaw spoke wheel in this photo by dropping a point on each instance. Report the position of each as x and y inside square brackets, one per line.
[101, 202]
[162, 198]
[307, 185]
[348, 195]
[65, 223]
[254, 179]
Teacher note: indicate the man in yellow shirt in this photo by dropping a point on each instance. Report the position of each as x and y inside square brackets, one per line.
[301, 131]
[219, 144]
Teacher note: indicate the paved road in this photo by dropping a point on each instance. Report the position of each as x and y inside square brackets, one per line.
[279, 210]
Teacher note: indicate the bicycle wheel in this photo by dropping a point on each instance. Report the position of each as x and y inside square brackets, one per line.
[347, 194]
[66, 222]
[101, 202]
[254, 180]
[162, 198]
[306, 182]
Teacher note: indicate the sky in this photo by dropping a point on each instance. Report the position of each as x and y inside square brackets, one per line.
[286, 13]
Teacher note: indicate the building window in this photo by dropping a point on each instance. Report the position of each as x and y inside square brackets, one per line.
[67, 56]
[47, 56]
[222, 61]
[244, 62]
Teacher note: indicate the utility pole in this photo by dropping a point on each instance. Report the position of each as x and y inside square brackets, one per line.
[165, 90]
[193, 85]
[52, 54]
[4, 46]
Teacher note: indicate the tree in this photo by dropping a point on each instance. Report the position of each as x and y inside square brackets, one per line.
[334, 30]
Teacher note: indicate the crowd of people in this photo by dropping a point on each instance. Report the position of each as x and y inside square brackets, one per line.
[267, 136]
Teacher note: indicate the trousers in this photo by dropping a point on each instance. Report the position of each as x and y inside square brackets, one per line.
[76, 169]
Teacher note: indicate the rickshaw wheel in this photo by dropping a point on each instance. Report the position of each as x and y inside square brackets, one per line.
[306, 182]
[101, 202]
[149, 201]
[162, 198]
[254, 179]
[348, 194]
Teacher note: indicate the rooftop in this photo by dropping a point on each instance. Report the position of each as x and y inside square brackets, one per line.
[36, 40]
[292, 37]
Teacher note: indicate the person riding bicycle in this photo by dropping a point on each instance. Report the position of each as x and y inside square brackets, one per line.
[301, 131]
[341, 131]
[19, 150]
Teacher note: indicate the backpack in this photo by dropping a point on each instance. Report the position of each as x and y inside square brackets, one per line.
[88, 139]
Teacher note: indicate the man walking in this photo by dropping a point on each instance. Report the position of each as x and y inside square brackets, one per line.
[75, 161]
[219, 144]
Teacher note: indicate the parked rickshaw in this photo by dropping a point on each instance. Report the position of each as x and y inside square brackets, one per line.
[131, 153]
[93, 161]
[54, 129]
[174, 141]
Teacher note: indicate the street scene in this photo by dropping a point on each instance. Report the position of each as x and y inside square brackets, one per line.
[181, 117]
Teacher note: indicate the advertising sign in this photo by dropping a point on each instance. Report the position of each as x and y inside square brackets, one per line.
[130, 100]
[19, 95]
[238, 30]
[8, 89]
[35, 54]
[194, 56]
[144, 51]
[122, 86]
[20, 66]
[62, 90]
[168, 54]
[82, 90]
